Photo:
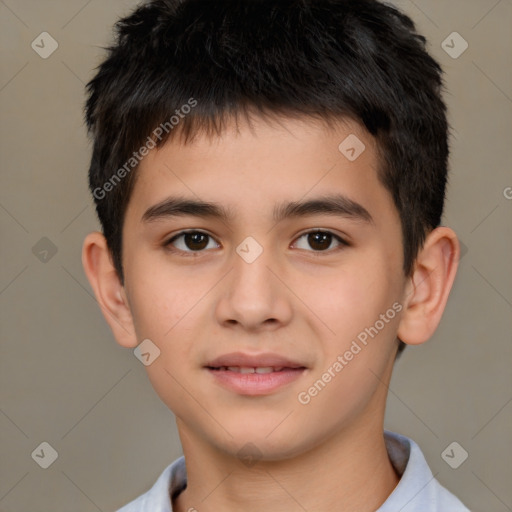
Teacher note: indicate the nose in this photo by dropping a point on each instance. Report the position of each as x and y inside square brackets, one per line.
[252, 298]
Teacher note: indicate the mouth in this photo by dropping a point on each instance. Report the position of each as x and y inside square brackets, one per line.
[249, 369]
[254, 375]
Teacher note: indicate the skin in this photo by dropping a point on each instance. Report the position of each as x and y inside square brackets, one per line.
[294, 300]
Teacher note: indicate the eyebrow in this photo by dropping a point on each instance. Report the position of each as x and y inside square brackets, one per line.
[337, 205]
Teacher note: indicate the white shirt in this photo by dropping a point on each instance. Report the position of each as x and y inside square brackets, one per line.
[417, 490]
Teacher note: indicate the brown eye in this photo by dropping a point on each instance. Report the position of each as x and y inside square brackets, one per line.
[195, 241]
[192, 241]
[320, 241]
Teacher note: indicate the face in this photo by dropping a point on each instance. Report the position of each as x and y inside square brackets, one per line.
[275, 306]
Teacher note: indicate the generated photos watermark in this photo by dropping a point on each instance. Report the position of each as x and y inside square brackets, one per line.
[361, 341]
[100, 193]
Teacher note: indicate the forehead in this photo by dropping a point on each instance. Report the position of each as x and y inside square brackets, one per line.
[252, 168]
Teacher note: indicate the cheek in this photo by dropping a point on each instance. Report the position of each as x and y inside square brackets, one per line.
[168, 309]
[167, 315]
[362, 312]
[161, 300]
[350, 300]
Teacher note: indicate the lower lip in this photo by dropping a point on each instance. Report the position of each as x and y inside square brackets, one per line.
[256, 383]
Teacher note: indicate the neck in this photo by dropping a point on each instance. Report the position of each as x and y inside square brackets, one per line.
[349, 472]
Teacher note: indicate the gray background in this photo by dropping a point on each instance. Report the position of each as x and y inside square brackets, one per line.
[64, 380]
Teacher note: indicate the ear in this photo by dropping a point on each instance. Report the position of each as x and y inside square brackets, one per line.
[109, 291]
[429, 286]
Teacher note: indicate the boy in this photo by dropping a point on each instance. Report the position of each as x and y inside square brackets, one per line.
[270, 178]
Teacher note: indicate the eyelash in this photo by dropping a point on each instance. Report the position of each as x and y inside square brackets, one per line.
[189, 253]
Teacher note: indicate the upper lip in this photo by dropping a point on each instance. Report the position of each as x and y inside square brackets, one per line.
[263, 360]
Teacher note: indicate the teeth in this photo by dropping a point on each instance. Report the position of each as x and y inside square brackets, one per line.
[245, 369]
[268, 369]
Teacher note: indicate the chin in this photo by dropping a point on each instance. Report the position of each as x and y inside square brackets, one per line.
[266, 444]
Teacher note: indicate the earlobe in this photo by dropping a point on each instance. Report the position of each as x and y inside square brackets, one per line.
[108, 289]
[429, 287]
